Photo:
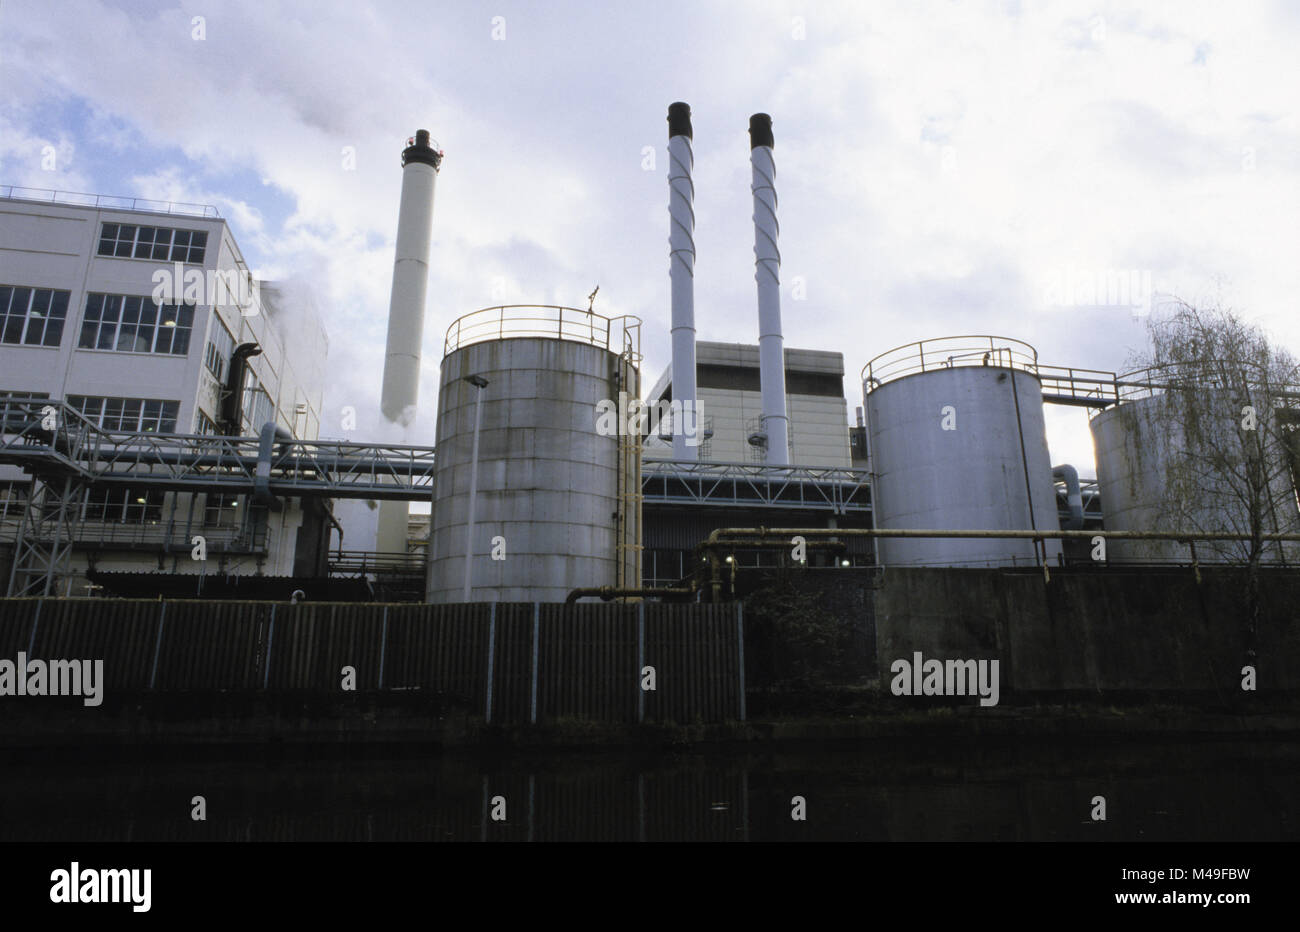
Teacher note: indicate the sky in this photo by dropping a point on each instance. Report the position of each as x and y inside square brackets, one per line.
[943, 168]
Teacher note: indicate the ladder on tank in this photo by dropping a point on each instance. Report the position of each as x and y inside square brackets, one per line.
[628, 547]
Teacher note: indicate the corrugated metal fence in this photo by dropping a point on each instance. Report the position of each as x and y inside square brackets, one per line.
[514, 662]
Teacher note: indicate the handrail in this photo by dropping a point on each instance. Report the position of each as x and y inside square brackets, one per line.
[515, 321]
[108, 201]
[946, 353]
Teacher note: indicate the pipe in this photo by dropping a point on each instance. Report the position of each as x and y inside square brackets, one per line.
[767, 272]
[1073, 495]
[681, 274]
[606, 593]
[262, 494]
[232, 403]
[721, 535]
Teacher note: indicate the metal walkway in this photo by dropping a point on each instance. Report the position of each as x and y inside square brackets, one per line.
[67, 455]
[49, 439]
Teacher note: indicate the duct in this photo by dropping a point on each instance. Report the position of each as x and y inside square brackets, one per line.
[1073, 496]
[232, 401]
[262, 494]
[681, 273]
[767, 272]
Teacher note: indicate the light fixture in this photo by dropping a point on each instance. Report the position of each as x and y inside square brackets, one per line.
[844, 563]
[731, 560]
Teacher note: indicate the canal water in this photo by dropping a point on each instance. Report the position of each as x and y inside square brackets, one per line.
[1188, 790]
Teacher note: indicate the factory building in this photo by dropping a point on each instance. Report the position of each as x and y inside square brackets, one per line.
[145, 319]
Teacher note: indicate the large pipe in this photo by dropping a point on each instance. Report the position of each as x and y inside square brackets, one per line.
[767, 272]
[1073, 494]
[681, 273]
[230, 422]
[420, 163]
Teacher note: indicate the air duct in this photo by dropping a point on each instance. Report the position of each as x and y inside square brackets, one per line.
[230, 423]
[767, 272]
[681, 273]
[420, 163]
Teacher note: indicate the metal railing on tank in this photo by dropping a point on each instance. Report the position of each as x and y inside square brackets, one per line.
[548, 321]
[948, 353]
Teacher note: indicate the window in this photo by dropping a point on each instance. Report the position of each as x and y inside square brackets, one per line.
[128, 414]
[220, 347]
[161, 244]
[18, 417]
[204, 424]
[32, 316]
[258, 407]
[220, 510]
[131, 324]
[123, 506]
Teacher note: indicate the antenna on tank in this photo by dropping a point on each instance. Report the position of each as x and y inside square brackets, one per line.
[591, 300]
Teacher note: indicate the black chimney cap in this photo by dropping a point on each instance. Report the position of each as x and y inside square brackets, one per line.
[679, 120]
[760, 131]
[419, 150]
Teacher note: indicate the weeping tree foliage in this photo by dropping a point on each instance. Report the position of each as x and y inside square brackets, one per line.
[1227, 424]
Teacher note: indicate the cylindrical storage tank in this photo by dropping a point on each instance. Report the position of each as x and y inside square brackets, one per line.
[1137, 443]
[957, 441]
[555, 492]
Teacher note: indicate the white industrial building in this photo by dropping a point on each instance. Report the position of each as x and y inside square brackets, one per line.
[87, 317]
[731, 405]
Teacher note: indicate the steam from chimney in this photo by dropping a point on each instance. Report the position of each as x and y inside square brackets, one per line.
[767, 272]
[681, 267]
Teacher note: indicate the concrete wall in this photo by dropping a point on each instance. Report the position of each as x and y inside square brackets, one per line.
[1090, 632]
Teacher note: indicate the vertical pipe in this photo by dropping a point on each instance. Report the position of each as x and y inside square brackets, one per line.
[740, 642]
[492, 646]
[640, 660]
[537, 619]
[767, 272]
[681, 273]
[383, 648]
[157, 644]
[270, 637]
[473, 496]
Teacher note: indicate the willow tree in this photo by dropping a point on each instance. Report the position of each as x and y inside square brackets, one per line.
[1227, 421]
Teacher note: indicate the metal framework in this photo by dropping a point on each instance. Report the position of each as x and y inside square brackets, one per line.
[67, 455]
[49, 438]
[837, 489]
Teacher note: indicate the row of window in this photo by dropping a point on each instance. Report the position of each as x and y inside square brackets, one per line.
[128, 414]
[161, 244]
[136, 325]
[125, 323]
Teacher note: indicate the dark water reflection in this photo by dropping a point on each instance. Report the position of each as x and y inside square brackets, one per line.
[1190, 791]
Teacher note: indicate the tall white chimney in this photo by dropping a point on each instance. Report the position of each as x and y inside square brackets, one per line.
[420, 163]
[767, 272]
[681, 271]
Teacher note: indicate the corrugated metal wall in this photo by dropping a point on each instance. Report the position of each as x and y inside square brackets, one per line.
[514, 662]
